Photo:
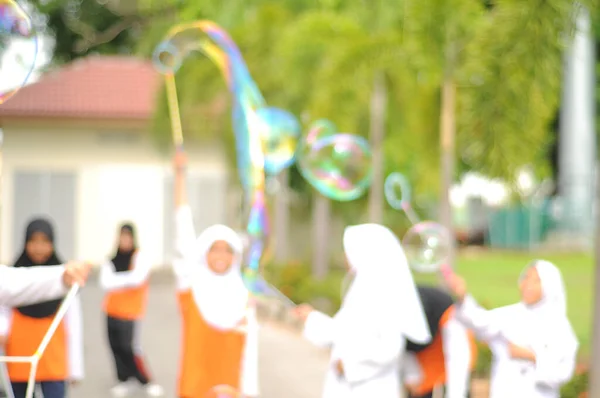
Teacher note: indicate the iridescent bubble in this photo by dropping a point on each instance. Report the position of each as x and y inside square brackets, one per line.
[339, 166]
[279, 131]
[223, 391]
[19, 47]
[320, 129]
[427, 246]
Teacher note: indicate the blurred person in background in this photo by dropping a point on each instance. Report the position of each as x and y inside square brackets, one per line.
[448, 359]
[534, 347]
[125, 280]
[25, 326]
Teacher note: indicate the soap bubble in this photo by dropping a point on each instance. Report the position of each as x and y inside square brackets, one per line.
[427, 246]
[339, 166]
[19, 47]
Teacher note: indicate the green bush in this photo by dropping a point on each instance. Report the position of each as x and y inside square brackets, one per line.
[576, 387]
[484, 361]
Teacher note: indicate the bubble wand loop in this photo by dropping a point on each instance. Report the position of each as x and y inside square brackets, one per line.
[211, 40]
[401, 202]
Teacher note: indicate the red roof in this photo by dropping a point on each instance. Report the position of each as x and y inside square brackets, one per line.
[95, 87]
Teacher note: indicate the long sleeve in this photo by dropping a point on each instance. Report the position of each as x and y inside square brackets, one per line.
[185, 239]
[457, 359]
[74, 325]
[555, 362]
[111, 280]
[24, 286]
[5, 320]
[371, 349]
[318, 329]
[478, 319]
[249, 382]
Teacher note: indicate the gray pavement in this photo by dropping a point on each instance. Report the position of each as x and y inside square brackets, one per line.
[289, 366]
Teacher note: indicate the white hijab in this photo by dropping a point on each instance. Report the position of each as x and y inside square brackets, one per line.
[383, 285]
[221, 298]
[550, 313]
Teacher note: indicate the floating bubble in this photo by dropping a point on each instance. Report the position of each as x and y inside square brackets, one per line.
[427, 246]
[279, 131]
[19, 47]
[223, 391]
[320, 129]
[339, 166]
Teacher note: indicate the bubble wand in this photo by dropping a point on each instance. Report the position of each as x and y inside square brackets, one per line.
[398, 195]
[214, 42]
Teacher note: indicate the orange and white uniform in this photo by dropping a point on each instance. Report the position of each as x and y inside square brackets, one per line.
[63, 358]
[448, 359]
[219, 326]
[126, 292]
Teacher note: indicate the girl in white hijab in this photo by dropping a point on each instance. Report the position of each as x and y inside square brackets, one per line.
[381, 310]
[220, 336]
[533, 344]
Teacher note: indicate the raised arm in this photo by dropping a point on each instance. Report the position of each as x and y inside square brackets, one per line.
[185, 236]
[484, 323]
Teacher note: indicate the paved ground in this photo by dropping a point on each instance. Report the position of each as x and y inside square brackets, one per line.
[289, 367]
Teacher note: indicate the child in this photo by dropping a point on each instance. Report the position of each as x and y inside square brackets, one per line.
[25, 326]
[381, 310]
[219, 342]
[125, 280]
[450, 356]
[533, 345]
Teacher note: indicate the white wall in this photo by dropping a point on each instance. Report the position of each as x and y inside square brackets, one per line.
[120, 177]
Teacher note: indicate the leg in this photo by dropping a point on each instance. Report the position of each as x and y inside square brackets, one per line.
[115, 341]
[54, 389]
[142, 374]
[19, 389]
[427, 395]
[133, 363]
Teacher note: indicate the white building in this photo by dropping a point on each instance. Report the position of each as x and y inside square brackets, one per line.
[77, 147]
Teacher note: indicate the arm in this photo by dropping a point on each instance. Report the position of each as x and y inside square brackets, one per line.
[111, 280]
[318, 329]
[185, 240]
[185, 236]
[249, 383]
[478, 319]
[373, 349]
[5, 321]
[24, 286]
[457, 359]
[74, 326]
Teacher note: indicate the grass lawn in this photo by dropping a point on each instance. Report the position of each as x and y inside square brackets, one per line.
[492, 279]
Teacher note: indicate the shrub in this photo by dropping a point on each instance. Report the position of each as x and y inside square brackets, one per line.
[577, 387]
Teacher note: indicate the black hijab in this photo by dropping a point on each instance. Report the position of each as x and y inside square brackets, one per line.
[122, 259]
[46, 308]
